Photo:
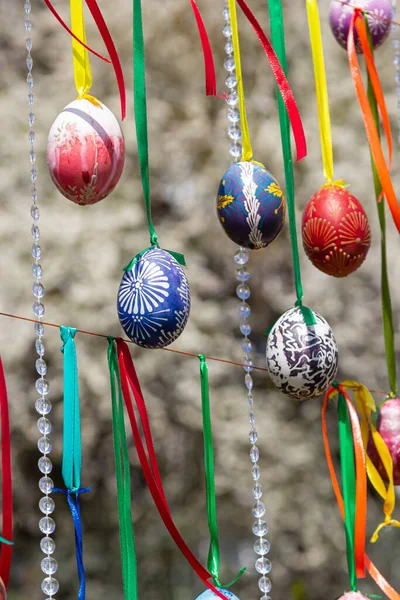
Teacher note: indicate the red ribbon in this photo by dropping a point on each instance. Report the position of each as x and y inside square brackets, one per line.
[130, 384]
[211, 82]
[112, 51]
[6, 493]
[59, 19]
[282, 82]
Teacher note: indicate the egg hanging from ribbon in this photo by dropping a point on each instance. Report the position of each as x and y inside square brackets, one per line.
[388, 425]
[336, 233]
[379, 14]
[250, 205]
[154, 300]
[353, 596]
[302, 360]
[85, 151]
[209, 595]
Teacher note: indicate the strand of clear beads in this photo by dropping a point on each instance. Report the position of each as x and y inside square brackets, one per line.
[396, 46]
[241, 257]
[43, 405]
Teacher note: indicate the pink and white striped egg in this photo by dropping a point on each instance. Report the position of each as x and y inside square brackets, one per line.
[85, 151]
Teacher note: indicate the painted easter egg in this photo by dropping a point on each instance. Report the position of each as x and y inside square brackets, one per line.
[353, 596]
[209, 595]
[379, 17]
[302, 361]
[388, 425]
[250, 205]
[85, 152]
[336, 233]
[154, 300]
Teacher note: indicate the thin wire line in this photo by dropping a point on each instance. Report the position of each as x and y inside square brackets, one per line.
[367, 12]
[101, 335]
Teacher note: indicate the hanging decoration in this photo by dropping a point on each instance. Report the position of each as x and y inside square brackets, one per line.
[209, 595]
[85, 150]
[335, 228]
[379, 15]
[6, 490]
[388, 427]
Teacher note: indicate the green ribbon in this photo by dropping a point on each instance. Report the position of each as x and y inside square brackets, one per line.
[127, 540]
[142, 136]
[72, 450]
[213, 562]
[349, 485]
[387, 315]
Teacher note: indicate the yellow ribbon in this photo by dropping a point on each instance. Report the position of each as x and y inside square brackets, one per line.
[321, 89]
[247, 150]
[338, 183]
[366, 406]
[82, 72]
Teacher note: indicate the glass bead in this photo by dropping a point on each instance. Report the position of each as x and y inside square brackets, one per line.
[254, 454]
[46, 485]
[229, 64]
[44, 446]
[244, 310]
[245, 329]
[44, 426]
[42, 386]
[32, 157]
[257, 491]
[231, 82]
[265, 597]
[33, 175]
[255, 471]
[229, 47]
[36, 251]
[262, 546]
[253, 436]
[242, 274]
[47, 525]
[49, 565]
[259, 509]
[252, 418]
[47, 545]
[30, 100]
[43, 406]
[31, 116]
[39, 347]
[227, 31]
[226, 14]
[233, 115]
[29, 80]
[241, 256]
[29, 62]
[247, 364]
[31, 136]
[50, 586]
[248, 381]
[234, 132]
[233, 98]
[39, 329]
[46, 505]
[28, 44]
[37, 290]
[37, 270]
[27, 7]
[250, 399]
[28, 25]
[264, 584]
[260, 528]
[263, 566]
[235, 150]
[243, 291]
[41, 366]
[246, 345]
[35, 214]
[45, 465]
[35, 232]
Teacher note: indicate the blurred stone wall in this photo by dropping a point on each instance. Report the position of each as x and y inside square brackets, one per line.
[84, 249]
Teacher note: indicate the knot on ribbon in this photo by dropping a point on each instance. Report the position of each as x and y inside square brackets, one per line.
[308, 314]
[335, 183]
[66, 334]
[388, 522]
[70, 491]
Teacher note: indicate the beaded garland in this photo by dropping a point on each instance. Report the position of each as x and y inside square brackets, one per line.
[250, 205]
[302, 360]
[85, 151]
[379, 15]
[154, 300]
[336, 233]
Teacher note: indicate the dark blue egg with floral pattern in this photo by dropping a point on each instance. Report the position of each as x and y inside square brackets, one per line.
[154, 300]
[250, 205]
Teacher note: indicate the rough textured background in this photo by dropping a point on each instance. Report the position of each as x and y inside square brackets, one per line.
[84, 250]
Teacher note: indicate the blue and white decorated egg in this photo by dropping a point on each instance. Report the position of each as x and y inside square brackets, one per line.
[154, 300]
[302, 360]
[209, 595]
[250, 205]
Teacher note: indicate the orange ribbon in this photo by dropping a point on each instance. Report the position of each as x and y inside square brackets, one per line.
[361, 489]
[370, 127]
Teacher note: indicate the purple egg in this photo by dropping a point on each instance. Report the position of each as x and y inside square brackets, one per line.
[379, 17]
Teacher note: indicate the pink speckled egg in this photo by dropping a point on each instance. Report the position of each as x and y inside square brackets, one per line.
[379, 16]
[353, 596]
[388, 425]
[85, 152]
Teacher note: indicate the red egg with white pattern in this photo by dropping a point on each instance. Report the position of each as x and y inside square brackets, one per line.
[335, 230]
[85, 151]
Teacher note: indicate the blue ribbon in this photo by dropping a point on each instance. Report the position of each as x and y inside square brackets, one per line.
[72, 446]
